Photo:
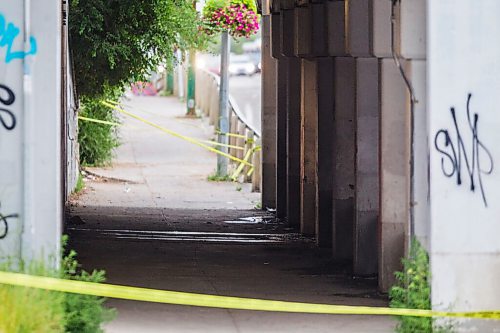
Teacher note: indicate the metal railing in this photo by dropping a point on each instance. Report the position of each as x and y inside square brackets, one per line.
[241, 133]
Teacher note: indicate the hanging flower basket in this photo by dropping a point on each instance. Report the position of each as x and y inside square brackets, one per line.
[238, 17]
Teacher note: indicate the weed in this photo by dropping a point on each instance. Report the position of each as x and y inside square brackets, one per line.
[80, 184]
[238, 188]
[258, 205]
[216, 178]
[413, 291]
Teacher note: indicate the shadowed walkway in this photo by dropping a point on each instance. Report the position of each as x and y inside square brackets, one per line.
[169, 228]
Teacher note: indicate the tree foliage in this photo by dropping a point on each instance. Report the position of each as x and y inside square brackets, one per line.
[116, 41]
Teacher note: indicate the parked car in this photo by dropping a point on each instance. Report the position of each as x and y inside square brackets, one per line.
[241, 65]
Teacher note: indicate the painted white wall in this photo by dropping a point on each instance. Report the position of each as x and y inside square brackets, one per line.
[30, 177]
[11, 141]
[464, 58]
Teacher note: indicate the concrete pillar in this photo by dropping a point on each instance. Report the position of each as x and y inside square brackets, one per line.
[269, 77]
[31, 191]
[294, 141]
[293, 91]
[309, 138]
[394, 172]
[367, 167]
[359, 20]
[281, 118]
[343, 194]
[326, 151]
[464, 200]
[337, 36]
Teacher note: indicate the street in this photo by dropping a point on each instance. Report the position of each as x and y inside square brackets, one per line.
[246, 91]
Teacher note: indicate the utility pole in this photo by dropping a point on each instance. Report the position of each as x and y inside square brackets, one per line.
[222, 161]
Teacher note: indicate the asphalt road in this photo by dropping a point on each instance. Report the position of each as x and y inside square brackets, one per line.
[246, 92]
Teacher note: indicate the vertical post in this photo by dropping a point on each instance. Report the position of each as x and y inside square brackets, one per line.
[191, 111]
[222, 161]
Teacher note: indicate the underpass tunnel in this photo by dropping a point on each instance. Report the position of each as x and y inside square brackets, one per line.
[338, 135]
[334, 174]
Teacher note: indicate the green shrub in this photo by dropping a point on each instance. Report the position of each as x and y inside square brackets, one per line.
[96, 140]
[413, 290]
[83, 313]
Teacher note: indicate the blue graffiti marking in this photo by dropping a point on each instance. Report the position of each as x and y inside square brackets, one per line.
[8, 34]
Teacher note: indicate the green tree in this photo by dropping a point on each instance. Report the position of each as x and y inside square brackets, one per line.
[114, 42]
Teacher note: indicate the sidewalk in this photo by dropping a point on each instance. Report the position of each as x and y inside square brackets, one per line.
[154, 169]
[156, 222]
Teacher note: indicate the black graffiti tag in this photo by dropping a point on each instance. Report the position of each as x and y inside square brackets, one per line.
[477, 162]
[4, 223]
[7, 98]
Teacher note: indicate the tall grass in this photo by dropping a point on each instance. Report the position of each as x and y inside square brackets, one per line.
[36, 310]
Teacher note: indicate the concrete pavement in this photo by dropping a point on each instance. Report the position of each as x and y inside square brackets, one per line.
[157, 222]
[159, 170]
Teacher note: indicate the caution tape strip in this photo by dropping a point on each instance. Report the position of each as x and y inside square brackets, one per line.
[214, 301]
[105, 122]
[215, 143]
[231, 134]
[178, 135]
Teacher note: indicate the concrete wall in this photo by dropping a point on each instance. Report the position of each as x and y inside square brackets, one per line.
[30, 138]
[465, 199]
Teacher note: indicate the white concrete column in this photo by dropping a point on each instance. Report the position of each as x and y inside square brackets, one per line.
[30, 139]
[464, 123]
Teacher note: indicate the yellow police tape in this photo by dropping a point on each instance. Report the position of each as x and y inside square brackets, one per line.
[178, 135]
[214, 301]
[105, 122]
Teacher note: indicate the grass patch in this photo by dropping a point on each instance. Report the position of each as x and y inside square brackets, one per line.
[216, 178]
[36, 310]
[80, 184]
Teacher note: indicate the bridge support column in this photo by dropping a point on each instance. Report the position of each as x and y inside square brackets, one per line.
[309, 135]
[367, 167]
[394, 172]
[343, 195]
[326, 151]
[269, 77]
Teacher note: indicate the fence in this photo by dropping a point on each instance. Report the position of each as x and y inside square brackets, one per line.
[243, 135]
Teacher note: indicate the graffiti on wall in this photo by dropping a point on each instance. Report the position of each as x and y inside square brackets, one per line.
[4, 223]
[7, 117]
[475, 160]
[9, 33]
